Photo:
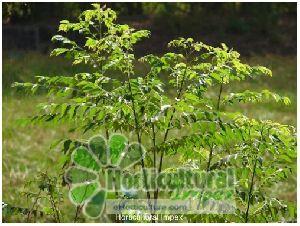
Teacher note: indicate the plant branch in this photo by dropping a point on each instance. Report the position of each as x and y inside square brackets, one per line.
[114, 178]
[34, 204]
[209, 158]
[250, 190]
[54, 208]
[252, 178]
[78, 209]
[139, 136]
[219, 96]
[168, 128]
[154, 145]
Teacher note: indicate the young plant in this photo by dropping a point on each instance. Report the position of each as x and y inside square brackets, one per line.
[47, 198]
[172, 105]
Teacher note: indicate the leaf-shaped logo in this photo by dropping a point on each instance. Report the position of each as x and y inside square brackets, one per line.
[88, 175]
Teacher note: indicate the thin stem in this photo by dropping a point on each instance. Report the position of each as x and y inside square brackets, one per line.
[139, 137]
[154, 145]
[154, 158]
[100, 34]
[252, 178]
[209, 158]
[219, 121]
[168, 128]
[106, 134]
[113, 179]
[34, 204]
[250, 190]
[219, 96]
[78, 209]
[54, 208]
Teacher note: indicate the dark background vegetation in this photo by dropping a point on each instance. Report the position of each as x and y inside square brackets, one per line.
[264, 33]
[248, 27]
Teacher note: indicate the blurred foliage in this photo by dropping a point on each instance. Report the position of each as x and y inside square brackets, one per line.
[18, 10]
[245, 26]
[241, 17]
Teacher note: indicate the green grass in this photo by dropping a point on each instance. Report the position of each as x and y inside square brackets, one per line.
[26, 149]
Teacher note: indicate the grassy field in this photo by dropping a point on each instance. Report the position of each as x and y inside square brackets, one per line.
[26, 149]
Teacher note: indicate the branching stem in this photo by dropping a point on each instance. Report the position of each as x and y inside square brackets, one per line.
[250, 190]
[54, 208]
[154, 145]
[139, 137]
[219, 96]
[168, 128]
[209, 158]
[33, 206]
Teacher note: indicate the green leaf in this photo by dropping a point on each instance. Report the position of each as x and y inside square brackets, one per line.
[58, 51]
[77, 175]
[134, 153]
[82, 157]
[96, 204]
[117, 144]
[99, 147]
[79, 194]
